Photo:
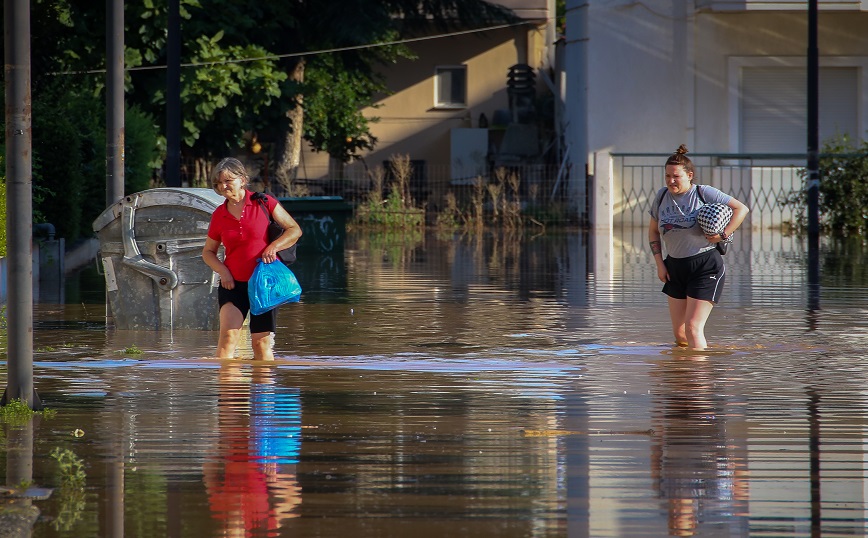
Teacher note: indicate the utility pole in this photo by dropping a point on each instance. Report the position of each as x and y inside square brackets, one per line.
[173, 95]
[813, 168]
[114, 149]
[19, 205]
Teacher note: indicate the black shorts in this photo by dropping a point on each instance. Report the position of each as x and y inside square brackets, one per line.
[700, 277]
[263, 323]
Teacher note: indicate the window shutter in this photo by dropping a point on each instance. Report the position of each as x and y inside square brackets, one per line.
[774, 107]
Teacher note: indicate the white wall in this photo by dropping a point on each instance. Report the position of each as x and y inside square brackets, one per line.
[724, 40]
[640, 87]
[659, 75]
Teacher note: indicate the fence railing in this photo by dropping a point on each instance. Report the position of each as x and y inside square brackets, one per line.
[762, 182]
[539, 187]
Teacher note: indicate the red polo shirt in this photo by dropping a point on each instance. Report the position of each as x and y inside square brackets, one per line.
[243, 239]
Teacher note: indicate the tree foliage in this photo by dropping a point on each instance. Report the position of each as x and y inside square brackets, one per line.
[242, 51]
[237, 59]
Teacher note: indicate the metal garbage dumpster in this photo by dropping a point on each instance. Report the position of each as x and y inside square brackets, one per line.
[323, 221]
[151, 251]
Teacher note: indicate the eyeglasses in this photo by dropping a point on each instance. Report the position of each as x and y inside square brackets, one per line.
[227, 181]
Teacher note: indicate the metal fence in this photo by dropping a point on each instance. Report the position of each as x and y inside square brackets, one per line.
[538, 188]
[762, 182]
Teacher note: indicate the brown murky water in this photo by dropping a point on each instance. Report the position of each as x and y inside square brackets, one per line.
[462, 388]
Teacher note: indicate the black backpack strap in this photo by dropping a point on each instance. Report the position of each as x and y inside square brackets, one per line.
[261, 198]
[660, 194]
[699, 193]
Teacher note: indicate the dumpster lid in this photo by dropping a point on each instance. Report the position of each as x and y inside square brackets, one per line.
[205, 200]
[315, 203]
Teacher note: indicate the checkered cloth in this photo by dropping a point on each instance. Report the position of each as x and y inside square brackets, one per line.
[713, 218]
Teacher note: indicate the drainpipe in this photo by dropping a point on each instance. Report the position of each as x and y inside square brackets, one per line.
[45, 229]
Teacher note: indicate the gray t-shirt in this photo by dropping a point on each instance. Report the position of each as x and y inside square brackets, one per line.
[681, 236]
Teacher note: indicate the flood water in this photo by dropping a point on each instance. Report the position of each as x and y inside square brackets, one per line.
[432, 387]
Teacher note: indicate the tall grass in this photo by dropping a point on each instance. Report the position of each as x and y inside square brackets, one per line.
[396, 209]
[494, 202]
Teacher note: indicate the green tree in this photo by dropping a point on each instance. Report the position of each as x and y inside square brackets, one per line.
[68, 120]
[251, 67]
[224, 100]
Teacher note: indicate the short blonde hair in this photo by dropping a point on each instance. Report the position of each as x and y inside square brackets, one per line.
[231, 166]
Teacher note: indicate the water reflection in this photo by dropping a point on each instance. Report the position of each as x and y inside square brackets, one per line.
[251, 476]
[698, 458]
[420, 373]
[17, 512]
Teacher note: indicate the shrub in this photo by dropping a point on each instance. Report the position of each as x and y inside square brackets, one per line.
[69, 159]
[843, 197]
[141, 152]
[397, 210]
[57, 167]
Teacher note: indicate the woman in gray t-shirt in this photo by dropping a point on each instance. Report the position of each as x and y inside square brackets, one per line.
[693, 271]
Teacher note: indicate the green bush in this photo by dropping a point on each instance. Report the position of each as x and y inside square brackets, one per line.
[57, 167]
[391, 213]
[141, 153]
[69, 157]
[843, 198]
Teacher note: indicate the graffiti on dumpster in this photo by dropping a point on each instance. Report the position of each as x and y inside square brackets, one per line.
[321, 232]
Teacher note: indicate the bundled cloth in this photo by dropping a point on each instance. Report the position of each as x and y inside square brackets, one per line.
[272, 285]
[713, 218]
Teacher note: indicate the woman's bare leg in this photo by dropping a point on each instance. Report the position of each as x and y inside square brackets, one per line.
[695, 316]
[263, 346]
[231, 321]
[677, 309]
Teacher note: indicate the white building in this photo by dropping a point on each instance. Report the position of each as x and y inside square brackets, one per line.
[721, 76]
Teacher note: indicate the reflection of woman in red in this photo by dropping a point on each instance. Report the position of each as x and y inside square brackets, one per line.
[252, 490]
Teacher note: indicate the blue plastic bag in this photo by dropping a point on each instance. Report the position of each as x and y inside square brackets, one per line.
[272, 285]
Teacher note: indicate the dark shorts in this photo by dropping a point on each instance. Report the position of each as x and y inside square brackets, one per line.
[263, 323]
[700, 277]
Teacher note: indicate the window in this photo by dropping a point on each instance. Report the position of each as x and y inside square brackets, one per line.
[450, 86]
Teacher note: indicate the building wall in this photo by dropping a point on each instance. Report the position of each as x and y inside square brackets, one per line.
[410, 124]
[658, 74]
[724, 38]
[638, 76]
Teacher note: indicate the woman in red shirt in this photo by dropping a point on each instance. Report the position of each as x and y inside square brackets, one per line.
[241, 226]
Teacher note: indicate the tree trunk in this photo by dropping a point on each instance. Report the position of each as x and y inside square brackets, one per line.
[288, 149]
[201, 177]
